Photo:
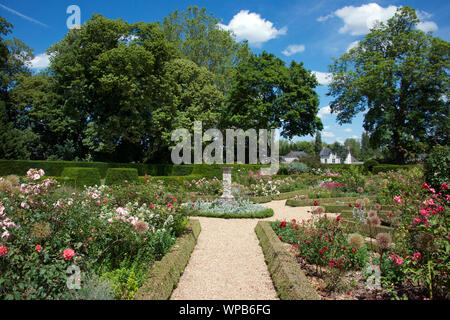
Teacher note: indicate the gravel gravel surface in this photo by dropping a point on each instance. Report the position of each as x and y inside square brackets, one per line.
[228, 263]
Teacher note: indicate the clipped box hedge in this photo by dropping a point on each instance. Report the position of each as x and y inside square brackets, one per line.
[119, 175]
[55, 168]
[82, 176]
[290, 281]
[163, 276]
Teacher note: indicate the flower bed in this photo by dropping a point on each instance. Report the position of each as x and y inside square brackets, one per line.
[217, 209]
[106, 237]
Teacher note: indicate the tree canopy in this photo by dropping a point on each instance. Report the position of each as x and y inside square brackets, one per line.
[115, 91]
[399, 76]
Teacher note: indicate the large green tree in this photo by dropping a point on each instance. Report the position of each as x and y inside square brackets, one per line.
[17, 139]
[268, 94]
[197, 36]
[399, 74]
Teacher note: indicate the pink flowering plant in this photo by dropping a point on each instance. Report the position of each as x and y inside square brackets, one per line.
[419, 263]
[45, 228]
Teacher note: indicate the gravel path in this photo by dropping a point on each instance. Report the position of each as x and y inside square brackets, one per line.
[228, 263]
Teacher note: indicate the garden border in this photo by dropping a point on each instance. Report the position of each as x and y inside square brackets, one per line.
[258, 215]
[289, 279]
[164, 275]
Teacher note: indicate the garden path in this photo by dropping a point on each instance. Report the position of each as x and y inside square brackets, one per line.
[228, 263]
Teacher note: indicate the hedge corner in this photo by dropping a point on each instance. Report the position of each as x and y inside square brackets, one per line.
[164, 275]
[289, 280]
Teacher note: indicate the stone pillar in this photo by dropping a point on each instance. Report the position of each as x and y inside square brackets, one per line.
[227, 195]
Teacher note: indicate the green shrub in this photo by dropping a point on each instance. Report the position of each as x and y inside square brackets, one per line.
[83, 176]
[283, 170]
[298, 168]
[119, 175]
[437, 166]
[369, 164]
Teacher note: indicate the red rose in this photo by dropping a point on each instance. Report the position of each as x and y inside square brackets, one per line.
[3, 251]
[321, 251]
[68, 254]
[350, 205]
[338, 218]
[315, 203]
[38, 248]
[280, 237]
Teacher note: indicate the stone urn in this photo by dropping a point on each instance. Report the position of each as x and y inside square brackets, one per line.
[227, 196]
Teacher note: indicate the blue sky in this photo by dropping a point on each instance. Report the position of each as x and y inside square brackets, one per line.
[308, 31]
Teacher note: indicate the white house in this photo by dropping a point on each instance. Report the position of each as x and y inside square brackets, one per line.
[329, 157]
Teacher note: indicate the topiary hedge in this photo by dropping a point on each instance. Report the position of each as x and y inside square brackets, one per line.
[119, 175]
[82, 176]
[369, 164]
[55, 168]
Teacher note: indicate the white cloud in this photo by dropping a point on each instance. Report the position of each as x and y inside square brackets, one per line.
[41, 61]
[293, 49]
[347, 130]
[323, 112]
[327, 134]
[359, 20]
[427, 26]
[326, 128]
[352, 45]
[324, 78]
[250, 26]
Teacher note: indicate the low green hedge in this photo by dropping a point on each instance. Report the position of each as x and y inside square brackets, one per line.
[164, 275]
[260, 215]
[83, 176]
[116, 176]
[392, 167]
[323, 201]
[55, 168]
[365, 229]
[290, 281]
[277, 197]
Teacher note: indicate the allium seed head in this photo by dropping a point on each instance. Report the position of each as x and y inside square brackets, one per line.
[356, 241]
[374, 221]
[384, 241]
[141, 227]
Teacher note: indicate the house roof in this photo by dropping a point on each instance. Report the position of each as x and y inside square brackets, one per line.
[295, 154]
[325, 153]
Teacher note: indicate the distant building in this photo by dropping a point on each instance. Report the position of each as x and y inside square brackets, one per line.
[291, 156]
[329, 157]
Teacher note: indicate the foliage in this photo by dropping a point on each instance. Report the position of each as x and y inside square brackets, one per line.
[400, 75]
[267, 94]
[119, 175]
[241, 206]
[111, 231]
[298, 168]
[369, 164]
[437, 166]
[197, 36]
